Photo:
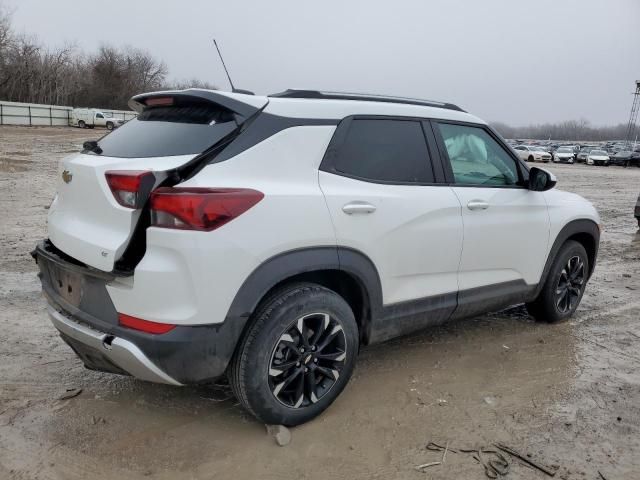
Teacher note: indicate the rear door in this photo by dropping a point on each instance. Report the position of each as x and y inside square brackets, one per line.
[87, 221]
[385, 201]
[506, 226]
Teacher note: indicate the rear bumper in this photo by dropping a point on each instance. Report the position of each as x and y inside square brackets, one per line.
[100, 351]
[82, 311]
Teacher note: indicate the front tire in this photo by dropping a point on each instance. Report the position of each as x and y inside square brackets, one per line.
[564, 286]
[109, 126]
[297, 355]
[530, 159]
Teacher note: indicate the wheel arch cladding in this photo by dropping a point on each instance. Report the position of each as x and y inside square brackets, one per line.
[586, 232]
[347, 272]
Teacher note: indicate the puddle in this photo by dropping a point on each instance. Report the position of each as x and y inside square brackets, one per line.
[12, 165]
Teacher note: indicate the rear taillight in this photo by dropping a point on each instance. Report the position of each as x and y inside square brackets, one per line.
[130, 187]
[144, 325]
[199, 208]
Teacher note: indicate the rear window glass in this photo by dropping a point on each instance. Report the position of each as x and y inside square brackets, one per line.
[165, 131]
[393, 151]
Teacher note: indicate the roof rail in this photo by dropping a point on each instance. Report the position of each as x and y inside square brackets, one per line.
[317, 94]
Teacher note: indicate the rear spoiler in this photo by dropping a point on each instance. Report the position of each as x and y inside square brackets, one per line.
[242, 105]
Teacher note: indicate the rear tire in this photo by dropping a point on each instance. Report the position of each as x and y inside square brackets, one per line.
[81, 124]
[564, 286]
[297, 355]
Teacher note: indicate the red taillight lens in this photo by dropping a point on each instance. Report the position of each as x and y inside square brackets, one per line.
[200, 208]
[144, 325]
[130, 187]
[159, 102]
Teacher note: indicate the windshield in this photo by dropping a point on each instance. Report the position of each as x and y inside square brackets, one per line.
[598, 152]
[565, 150]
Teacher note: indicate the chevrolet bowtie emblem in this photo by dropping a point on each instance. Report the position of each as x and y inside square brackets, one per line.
[67, 176]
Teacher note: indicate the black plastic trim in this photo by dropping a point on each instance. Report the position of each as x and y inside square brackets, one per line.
[402, 318]
[490, 298]
[575, 227]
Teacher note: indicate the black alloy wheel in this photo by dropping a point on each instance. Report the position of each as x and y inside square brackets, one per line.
[307, 360]
[570, 285]
[563, 286]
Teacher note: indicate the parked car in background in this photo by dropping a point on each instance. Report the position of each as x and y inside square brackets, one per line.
[153, 267]
[637, 211]
[532, 153]
[563, 155]
[597, 157]
[623, 158]
[91, 118]
[583, 153]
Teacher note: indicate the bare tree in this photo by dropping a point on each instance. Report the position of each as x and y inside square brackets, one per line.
[68, 76]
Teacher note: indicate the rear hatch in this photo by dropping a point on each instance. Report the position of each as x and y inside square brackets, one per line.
[99, 209]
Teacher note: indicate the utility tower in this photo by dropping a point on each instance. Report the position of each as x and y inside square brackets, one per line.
[633, 118]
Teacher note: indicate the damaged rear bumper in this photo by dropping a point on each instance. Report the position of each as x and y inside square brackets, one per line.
[99, 349]
[82, 311]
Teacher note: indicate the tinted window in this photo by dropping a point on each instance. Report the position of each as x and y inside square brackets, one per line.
[385, 151]
[165, 131]
[476, 158]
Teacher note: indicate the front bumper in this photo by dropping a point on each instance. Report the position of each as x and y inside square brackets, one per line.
[563, 159]
[82, 311]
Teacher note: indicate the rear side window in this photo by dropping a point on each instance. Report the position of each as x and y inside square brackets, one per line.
[385, 151]
[169, 130]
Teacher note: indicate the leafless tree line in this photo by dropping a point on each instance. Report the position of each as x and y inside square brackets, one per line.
[66, 75]
[569, 130]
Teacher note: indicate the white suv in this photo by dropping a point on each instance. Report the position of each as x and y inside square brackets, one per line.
[268, 239]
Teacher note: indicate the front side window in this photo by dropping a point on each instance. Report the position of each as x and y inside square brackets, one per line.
[476, 158]
[387, 151]
[99, 115]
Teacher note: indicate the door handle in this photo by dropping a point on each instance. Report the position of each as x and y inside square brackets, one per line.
[358, 207]
[477, 205]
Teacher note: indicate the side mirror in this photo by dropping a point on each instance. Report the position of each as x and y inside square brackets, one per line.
[540, 180]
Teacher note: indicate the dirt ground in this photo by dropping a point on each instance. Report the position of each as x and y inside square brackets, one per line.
[567, 394]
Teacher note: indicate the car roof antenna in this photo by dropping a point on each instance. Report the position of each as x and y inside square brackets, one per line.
[233, 89]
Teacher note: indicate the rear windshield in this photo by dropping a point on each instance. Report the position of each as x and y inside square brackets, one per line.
[169, 130]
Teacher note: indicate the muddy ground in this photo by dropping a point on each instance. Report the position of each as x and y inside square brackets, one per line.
[567, 394]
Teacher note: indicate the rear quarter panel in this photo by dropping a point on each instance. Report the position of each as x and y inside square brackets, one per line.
[191, 278]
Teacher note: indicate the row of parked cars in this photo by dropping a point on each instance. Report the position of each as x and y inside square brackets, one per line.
[603, 154]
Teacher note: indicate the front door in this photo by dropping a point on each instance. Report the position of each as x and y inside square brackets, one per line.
[506, 226]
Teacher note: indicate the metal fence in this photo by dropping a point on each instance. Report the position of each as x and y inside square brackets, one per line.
[32, 114]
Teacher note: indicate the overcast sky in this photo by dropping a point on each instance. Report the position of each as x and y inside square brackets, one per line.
[517, 61]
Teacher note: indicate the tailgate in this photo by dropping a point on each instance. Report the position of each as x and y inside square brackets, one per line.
[173, 132]
[85, 220]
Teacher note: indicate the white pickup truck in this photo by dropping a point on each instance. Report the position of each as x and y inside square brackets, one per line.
[90, 118]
